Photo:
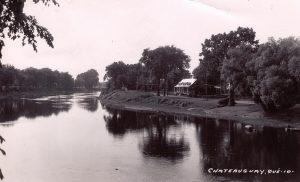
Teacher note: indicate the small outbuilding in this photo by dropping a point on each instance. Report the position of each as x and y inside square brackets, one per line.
[184, 87]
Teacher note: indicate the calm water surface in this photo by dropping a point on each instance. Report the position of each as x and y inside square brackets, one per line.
[73, 138]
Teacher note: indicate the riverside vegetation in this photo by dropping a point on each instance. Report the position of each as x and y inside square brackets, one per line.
[268, 74]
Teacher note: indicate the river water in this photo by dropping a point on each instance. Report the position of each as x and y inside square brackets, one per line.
[73, 138]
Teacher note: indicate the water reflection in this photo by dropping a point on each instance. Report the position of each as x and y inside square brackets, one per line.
[227, 144]
[89, 103]
[173, 148]
[118, 122]
[161, 138]
[223, 144]
[12, 109]
[161, 143]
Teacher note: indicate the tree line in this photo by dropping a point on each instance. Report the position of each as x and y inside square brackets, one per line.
[13, 79]
[160, 69]
[234, 61]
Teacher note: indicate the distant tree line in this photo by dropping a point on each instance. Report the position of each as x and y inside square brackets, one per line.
[161, 69]
[88, 79]
[13, 79]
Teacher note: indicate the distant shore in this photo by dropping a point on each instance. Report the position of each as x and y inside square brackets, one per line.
[38, 93]
[245, 111]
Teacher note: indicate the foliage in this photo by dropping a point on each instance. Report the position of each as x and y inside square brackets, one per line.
[162, 61]
[9, 75]
[88, 79]
[274, 74]
[120, 74]
[133, 75]
[14, 23]
[214, 52]
[168, 63]
[175, 76]
[116, 74]
[32, 78]
[234, 70]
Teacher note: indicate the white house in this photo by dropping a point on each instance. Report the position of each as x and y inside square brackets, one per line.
[183, 87]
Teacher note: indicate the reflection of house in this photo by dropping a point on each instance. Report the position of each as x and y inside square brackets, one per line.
[184, 86]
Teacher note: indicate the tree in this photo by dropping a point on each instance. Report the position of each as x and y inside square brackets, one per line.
[115, 74]
[31, 77]
[88, 79]
[14, 23]
[133, 73]
[8, 75]
[234, 70]
[162, 61]
[175, 76]
[274, 74]
[66, 81]
[121, 75]
[214, 52]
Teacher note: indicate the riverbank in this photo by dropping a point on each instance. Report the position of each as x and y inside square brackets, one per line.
[245, 111]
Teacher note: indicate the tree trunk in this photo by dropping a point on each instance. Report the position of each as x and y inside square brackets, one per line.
[231, 95]
[165, 86]
[158, 88]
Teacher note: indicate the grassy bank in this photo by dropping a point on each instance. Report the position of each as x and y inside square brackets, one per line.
[245, 111]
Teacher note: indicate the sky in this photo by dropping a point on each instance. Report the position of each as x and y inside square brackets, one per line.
[95, 33]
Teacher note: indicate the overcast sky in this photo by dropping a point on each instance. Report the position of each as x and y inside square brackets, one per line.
[95, 33]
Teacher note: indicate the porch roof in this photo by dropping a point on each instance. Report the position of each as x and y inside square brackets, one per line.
[185, 83]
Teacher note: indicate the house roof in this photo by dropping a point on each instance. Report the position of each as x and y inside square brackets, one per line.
[186, 83]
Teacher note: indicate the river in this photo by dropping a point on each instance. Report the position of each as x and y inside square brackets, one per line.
[73, 138]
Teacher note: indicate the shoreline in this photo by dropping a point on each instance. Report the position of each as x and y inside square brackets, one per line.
[39, 93]
[245, 111]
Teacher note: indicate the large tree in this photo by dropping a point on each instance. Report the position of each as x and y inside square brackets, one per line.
[116, 75]
[120, 74]
[234, 70]
[274, 74]
[164, 60]
[214, 52]
[14, 23]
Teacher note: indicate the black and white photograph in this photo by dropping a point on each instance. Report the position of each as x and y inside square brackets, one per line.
[149, 91]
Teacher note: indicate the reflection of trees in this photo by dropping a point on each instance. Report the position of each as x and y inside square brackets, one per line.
[118, 122]
[89, 103]
[12, 109]
[227, 144]
[158, 141]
